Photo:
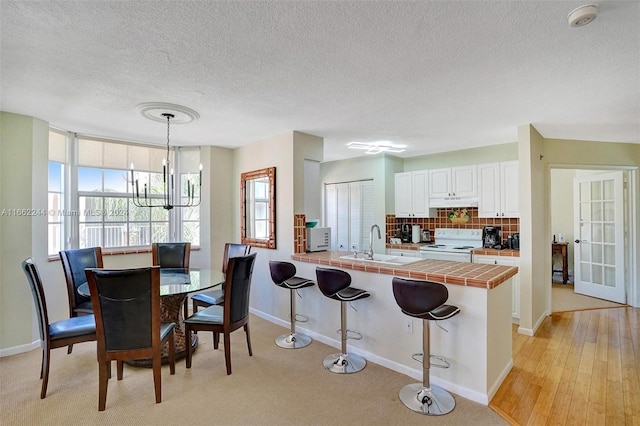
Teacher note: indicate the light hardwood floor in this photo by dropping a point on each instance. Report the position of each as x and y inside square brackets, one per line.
[580, 368]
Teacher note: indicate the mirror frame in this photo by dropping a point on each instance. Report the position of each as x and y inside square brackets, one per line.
[270, 242]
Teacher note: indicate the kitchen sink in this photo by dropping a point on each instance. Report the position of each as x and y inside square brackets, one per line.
[387, 259]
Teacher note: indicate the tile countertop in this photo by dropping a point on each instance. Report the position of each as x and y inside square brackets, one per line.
[443, 271]
[406, 246]
[494, 252]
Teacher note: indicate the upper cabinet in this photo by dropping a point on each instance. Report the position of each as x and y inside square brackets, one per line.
[453, 182]
[455, 186]
[411, 194]
[498, 189]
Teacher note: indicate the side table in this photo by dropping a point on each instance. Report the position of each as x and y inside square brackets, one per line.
[561, 248]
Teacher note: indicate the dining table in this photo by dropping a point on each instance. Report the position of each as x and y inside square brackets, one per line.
[175, 286]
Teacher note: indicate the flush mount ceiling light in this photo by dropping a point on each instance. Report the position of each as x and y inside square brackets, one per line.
[582, 15]
[377, 147]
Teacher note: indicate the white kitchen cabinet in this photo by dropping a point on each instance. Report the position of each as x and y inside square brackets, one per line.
[498, 192]
[411, 196]
[453, 182]
[399, 252]
[506, 261]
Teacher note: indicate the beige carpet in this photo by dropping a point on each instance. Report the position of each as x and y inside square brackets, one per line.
[564, 299]
[274, 387]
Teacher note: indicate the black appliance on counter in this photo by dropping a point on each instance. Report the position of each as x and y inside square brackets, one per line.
[515, 241]
[491, 237]
[406, 233]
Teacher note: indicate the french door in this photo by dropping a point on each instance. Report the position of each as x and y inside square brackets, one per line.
[599, 236]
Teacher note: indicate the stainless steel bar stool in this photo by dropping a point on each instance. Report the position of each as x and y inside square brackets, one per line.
[425, 300]
[283, 275]
[335, 284]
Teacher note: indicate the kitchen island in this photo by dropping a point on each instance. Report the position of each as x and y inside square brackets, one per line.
[478, 341]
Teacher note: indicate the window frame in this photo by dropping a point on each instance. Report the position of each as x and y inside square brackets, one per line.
[72, 217]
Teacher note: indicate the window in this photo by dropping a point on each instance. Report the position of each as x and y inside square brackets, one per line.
[95, 207]
[56, 192]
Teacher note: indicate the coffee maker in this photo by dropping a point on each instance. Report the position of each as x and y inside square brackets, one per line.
[491, 237]
[406, 233]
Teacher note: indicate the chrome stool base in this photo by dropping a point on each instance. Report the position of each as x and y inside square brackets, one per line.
[344, 363]
[433, 401]
[293, 341]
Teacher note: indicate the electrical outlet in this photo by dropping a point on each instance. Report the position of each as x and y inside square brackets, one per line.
[409, 326]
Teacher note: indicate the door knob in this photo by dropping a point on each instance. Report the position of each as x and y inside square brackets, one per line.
[577, 241]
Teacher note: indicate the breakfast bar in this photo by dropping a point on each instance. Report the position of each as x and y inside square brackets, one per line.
[477, 342]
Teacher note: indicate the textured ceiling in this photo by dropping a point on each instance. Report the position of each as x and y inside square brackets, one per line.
[436, 76]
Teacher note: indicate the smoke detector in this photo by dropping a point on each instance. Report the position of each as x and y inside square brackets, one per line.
[582, 15]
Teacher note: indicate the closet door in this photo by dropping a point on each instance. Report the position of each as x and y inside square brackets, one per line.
[342, 225]
[355, 216]
[331, 212]
[366, 217]
[349, 214]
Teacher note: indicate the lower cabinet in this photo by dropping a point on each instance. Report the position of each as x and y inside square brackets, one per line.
[506, 261]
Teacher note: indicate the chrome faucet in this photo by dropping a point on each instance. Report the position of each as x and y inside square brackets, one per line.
[369, 252]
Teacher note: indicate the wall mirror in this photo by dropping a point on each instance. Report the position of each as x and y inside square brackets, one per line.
[258, 199]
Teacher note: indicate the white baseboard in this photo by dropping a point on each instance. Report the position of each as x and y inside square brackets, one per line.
[391, 365]
[19, 349]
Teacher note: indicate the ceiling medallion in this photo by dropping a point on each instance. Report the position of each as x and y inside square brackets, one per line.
[156, 111]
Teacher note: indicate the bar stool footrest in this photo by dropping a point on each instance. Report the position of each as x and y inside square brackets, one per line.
[355, 335]
[440, 361]
[300, 318]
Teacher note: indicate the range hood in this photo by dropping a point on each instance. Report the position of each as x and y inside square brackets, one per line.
[453, 202]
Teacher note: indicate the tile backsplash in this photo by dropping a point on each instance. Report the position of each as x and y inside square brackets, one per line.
[507, 225]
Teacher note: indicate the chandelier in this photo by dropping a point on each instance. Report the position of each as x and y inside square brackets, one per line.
[142, 196]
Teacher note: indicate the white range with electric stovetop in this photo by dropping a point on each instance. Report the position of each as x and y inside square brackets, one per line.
[453, 244]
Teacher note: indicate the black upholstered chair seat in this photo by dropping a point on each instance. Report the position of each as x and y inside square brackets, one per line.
[440, 313]
[166, 328]
[213, 297]
[295, 283]
[211, 315]
[350, 294]
[72, 327]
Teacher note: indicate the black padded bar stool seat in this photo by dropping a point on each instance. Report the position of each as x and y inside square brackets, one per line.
[425, 300]
[336, 284]
[283, 275]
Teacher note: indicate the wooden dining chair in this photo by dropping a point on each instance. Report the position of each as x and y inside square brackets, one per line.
[126, 303]
[74, 262]
[231, 315]
[216, 297]
[56, 334]
[172, 255]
